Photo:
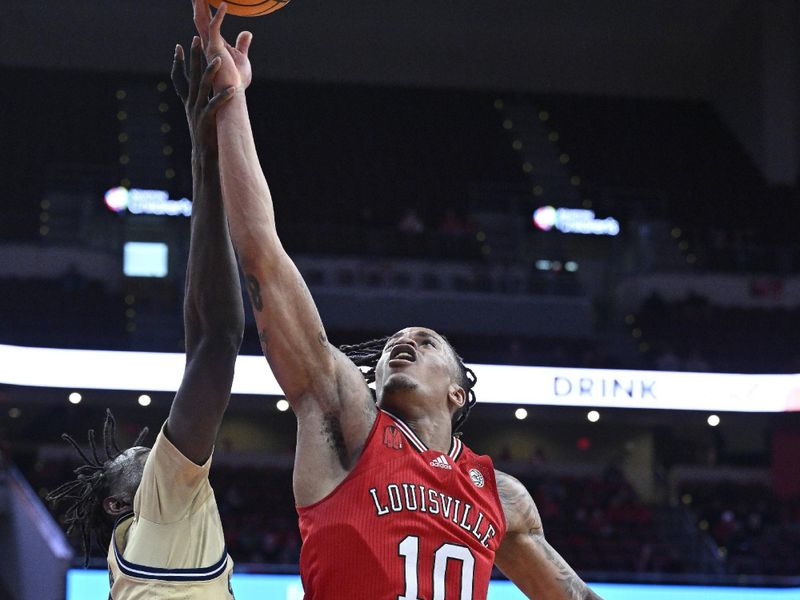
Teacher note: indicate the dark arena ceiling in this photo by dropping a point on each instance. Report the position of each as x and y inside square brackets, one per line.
[620, 47]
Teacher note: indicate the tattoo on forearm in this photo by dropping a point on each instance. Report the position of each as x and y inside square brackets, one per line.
[574, 587]
[254, 289]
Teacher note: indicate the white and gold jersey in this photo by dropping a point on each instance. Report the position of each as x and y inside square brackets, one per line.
[171, 546]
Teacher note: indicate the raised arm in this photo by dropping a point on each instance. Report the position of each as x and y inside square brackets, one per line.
[212, 311]
[525, 556]
[327, 392]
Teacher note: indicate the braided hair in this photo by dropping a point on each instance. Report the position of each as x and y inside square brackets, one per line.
[367, 354]
[90, 487]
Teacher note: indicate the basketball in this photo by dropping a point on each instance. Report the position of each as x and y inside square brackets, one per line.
[251, 8]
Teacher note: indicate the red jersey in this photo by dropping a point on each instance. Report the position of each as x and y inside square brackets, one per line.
[408, 523]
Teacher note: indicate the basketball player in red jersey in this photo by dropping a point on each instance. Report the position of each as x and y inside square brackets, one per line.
[391, 505]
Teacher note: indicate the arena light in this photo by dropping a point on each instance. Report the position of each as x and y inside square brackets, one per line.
[713, 420]
[593, 416]
[521, 414]
[282, 405]
[144, 400]
[497, 384]
[74, 398]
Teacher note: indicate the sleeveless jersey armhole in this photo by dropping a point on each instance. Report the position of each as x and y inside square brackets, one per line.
[356, 470]
[496, 494]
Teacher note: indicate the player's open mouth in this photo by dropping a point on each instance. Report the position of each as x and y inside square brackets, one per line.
[403, 352]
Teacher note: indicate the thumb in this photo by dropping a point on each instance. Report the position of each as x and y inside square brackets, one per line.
[243, 42]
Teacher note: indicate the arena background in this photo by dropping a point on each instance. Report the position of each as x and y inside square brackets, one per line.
[408, 146]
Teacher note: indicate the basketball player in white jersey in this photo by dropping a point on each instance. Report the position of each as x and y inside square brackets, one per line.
[155, 509]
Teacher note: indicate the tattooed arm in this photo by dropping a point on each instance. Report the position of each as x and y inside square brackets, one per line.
[327, 392]
[525, 556]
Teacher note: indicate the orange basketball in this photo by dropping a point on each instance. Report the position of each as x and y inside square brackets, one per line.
[251, 8]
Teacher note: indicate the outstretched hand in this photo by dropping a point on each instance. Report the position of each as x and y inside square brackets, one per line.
[234, 68]
[193, 87]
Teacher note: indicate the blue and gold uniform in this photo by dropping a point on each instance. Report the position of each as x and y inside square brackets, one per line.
[172, 545]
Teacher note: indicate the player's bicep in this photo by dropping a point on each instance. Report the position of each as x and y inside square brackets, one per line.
[289, 328]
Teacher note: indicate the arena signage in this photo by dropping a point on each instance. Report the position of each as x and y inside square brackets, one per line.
[146, 202]
[93, 583]
[604, 387]
[497, 384]
[574, 220]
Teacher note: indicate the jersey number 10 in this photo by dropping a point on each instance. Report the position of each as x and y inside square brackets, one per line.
[409, 550]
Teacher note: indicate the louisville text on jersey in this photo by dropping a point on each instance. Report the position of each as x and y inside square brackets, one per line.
[411, 497]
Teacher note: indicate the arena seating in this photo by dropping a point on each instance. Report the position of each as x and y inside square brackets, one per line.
[680, 162]
[756, 533]
[375, 153]
[70, 313]
[590, 520]
[597, 523]
[725, 339]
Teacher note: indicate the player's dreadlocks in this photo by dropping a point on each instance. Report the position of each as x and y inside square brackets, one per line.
[368, 353]
[90, 487]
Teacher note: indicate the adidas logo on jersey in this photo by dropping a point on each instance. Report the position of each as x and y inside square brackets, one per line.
[441, 462]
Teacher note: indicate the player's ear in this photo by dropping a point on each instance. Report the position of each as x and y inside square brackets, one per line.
[456, 395]
[115, 507]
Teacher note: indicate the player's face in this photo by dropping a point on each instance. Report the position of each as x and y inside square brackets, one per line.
[415, 359]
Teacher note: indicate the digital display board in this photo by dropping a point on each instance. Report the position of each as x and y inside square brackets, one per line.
[497, 384]
[93, 585]
[145, 259]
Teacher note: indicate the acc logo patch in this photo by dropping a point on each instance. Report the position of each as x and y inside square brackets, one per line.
[477, 477]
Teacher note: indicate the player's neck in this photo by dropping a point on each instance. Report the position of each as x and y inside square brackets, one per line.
[435, 431]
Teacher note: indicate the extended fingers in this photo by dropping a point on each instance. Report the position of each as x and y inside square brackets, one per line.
[218, 100]
[243, 42]
[179, 74]
[208, 79]
[202, 17]
[195, 69]
[216, 22]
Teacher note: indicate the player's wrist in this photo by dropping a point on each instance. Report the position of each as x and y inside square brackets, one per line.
[204, 158]
[239, 91]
